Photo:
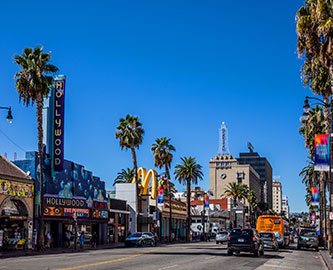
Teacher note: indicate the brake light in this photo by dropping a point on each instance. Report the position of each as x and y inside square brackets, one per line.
[228, 237]
[253, 238]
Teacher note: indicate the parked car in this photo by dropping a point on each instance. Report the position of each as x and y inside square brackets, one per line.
[140, 239]
[269, 240]
[247, 240]
[308, 238]
[222, 237]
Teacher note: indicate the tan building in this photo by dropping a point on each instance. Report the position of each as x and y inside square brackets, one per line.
[16, 206]
[277, 196]
[225, 169]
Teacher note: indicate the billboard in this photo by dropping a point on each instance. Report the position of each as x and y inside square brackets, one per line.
[322, 162]
[58, 124]
[315, 196]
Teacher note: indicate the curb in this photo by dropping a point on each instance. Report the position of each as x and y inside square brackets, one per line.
[324, 257]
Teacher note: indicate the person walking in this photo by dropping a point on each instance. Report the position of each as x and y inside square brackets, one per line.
[82, 240]
[94, 240]
[68, 238]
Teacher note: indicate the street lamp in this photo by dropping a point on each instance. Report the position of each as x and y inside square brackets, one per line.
[9, 116]
[305, 116]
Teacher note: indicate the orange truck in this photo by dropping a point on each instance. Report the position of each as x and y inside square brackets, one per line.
[276, 225]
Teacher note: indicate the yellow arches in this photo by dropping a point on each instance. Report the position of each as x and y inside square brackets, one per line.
[145, 178]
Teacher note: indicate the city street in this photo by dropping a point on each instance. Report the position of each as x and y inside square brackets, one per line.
[178, 256]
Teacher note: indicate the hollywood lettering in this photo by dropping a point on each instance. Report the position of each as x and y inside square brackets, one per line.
[63, 202]
[58, 125]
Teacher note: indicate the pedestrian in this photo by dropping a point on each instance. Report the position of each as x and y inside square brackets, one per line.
[68, 238]
[47, 240]
[94, 240]
[82, 240]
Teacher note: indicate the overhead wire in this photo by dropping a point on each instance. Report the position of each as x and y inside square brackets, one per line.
[9, 139]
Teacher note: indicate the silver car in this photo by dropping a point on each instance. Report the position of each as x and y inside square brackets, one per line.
[222, 237]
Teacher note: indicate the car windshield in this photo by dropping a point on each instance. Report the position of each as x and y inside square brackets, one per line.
[267, 235]
[240, 232]
[308, 233]
[135, 235]
[148, 233]
[221, 233]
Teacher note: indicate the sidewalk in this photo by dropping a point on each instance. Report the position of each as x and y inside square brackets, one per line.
[326, 258]
[18, 253]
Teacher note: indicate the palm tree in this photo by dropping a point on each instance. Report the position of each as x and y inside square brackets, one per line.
[162, 157]
[125, 176]
[187, 172]
[130, 134]
[253, 202]
[237, 192]
[32, 85]
[315, 34]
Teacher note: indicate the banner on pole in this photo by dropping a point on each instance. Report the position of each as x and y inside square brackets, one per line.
[206, 202]
[313, 219]
[322, 162]
[314, 196]
[160, 191]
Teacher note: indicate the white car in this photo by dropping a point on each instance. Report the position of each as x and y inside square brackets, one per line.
[222, 237]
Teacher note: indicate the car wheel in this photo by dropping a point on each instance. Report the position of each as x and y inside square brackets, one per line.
[217, 242]
[317, 249]
[298, 247]
[230, 252]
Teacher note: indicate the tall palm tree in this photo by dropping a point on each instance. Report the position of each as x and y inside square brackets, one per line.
[125, 176]
[32, 85]
[315, 33]
[237, 192]
[187, 172]
[130, 134]
[162, 157]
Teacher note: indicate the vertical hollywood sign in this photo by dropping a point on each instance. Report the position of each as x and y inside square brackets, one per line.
[58, 125]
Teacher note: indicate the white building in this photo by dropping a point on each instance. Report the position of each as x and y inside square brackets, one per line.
[277, 196]
[285, 206]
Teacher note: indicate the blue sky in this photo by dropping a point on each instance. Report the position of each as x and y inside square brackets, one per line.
[183, 67]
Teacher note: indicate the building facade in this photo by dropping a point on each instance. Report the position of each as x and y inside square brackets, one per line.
[73, 200]
[225, 169]
[16, 207]
[285, 206]
[262, 166]
[277, 197]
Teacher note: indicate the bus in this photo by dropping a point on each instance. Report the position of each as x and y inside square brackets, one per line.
[277, 225]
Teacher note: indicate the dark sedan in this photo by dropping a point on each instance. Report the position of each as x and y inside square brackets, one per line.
[245, 240]
[269, 240]
[140, 239]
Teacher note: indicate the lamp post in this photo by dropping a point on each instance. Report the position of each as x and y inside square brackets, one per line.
[306, 109]
[9, 116]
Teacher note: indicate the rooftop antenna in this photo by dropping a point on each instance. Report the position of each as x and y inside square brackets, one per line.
[223, 140]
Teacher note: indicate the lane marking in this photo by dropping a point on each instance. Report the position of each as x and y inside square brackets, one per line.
[278, 266]
[168, 267]
[106, 262]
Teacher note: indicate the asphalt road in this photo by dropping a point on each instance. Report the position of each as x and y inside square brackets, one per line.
[178, 256]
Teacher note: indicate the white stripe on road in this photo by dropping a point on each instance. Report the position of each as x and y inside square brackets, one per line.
[168, 267]
[278, 266]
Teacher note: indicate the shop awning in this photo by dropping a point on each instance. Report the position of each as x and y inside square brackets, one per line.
[119, 211]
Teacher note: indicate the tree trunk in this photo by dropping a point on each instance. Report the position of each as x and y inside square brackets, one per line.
[188, 201]
[135, 168]
[170, 205]
[39, 107]
[235, 215]
[321, 202]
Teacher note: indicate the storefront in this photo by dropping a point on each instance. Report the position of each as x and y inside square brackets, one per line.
[16, 207]
[178, 220]
[118, 221]
[70, 215]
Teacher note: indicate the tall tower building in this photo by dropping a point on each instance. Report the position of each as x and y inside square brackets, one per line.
[263, 168]
[223, 140]
[277, 196]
